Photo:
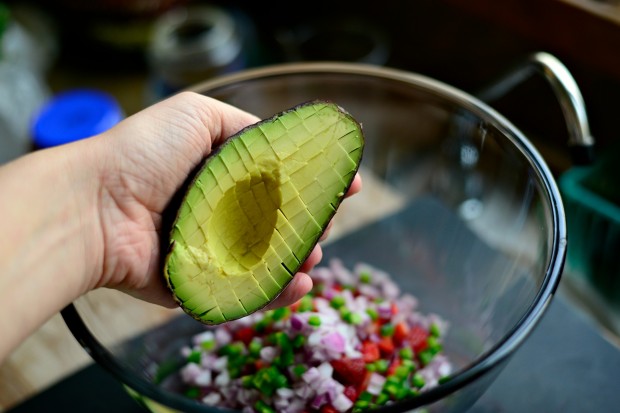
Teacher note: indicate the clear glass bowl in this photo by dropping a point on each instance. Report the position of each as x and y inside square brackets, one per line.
[457, 206]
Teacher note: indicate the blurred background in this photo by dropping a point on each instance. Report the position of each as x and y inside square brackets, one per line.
[136, 52]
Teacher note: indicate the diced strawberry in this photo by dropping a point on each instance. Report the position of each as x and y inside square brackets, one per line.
[401, 331]
[349, 371]
[386, 346]
[244, 334]
[363, 385]
[259, 364]
[351, 392]
[328, 408]
[370, 351]
[418, 339]
[394, 308]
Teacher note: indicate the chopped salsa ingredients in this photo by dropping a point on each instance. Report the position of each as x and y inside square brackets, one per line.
[355, 342]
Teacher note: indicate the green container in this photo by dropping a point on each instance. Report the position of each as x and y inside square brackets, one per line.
[591, 196]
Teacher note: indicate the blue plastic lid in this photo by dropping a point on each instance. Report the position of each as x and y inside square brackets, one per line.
[73, 115]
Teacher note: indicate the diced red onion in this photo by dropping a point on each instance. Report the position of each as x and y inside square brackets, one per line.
[280, 403]
[222, 337]
[325, 370]
[334, 341]
[375, 384]
[285, 392]
[318, 401]
[369, 290]
[297, 322]
[311, 375]
[342, 403]
[203, 378]
[296, 406]
[190, 371]
[220, 364]
[268, 353]
[222, 379]
[341, 273]
[212, 399]
[384, 310]
[407, 303]
[204, 336]
[186, 351]
[304, 391]
[390, 290]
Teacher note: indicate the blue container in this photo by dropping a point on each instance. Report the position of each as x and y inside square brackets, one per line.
[73, 115]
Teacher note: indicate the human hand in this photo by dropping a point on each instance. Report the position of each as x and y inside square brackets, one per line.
[145, 160]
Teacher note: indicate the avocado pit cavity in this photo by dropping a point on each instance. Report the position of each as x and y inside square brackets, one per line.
[244, 220]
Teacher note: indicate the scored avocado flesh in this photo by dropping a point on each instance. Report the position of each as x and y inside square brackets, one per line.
[257, 208]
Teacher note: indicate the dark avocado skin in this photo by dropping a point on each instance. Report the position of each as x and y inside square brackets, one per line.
[171, 213]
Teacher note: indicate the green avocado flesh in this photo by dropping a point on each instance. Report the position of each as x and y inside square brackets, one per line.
[257, 208]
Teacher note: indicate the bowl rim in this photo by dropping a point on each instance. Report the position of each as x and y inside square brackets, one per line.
[488, 360]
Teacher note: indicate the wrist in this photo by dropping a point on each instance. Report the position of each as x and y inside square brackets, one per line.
[49, 248]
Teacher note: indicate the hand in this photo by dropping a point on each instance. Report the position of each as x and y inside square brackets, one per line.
[149, 156]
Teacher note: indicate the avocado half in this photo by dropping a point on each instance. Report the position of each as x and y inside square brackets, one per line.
[257, 207]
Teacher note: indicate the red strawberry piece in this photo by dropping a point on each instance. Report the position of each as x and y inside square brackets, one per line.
[351, 392]
[244, 334]
[370, 351]
[349, 371]
[328, 408]
[401, 332]
[386, 346]
[418, 339]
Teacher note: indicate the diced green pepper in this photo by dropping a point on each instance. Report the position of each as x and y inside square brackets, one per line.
[387, 330]
[305, 304]
[353, 318]
[194, 357]
[208, 345]
[281, 313]
[434, 346]
[299, 369]
[232, 350]
[365, 277]
[374, 315]
[443, 379]
[382, 365]
[262, 407]
[247, 381]
[299, 341]
[192, 393]
[337, 302]
[314, 320]
[425, 356]
[417, 380]
[382, 398]
[402, 371]
[255, 347]
[406, 353]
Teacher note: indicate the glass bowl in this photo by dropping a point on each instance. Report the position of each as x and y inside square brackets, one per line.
[457, 206]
